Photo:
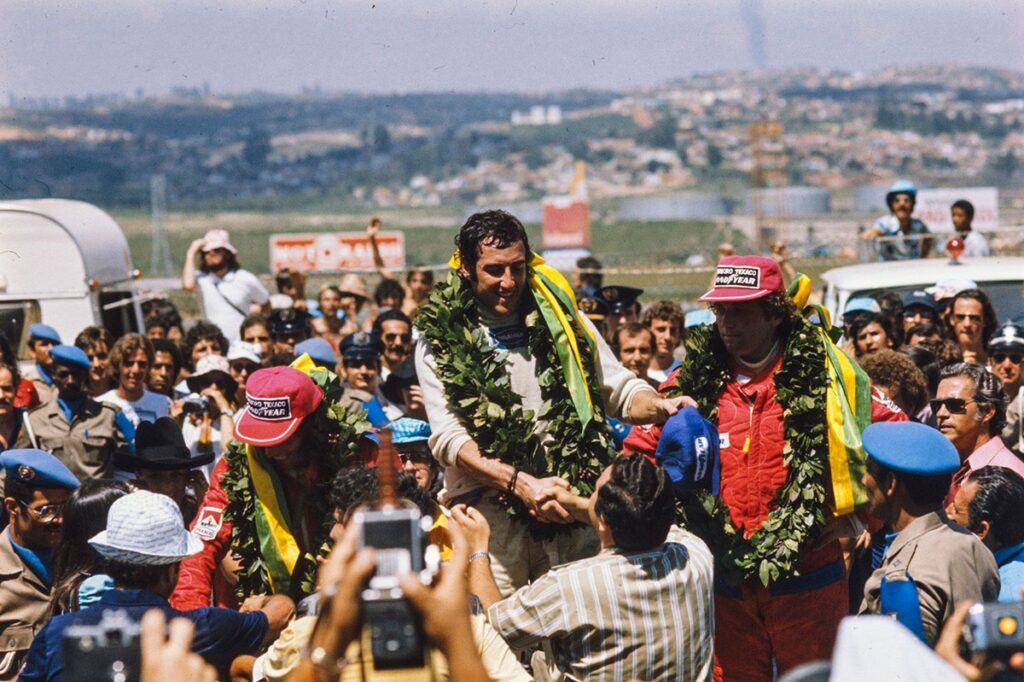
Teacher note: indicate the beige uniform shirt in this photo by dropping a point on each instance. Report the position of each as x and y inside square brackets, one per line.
[46, 392]
[24, 608]
[86, 445]
[948, 564]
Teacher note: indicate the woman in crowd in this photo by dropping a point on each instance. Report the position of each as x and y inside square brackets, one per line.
[97, 342]
[78, 571]
[871, 332]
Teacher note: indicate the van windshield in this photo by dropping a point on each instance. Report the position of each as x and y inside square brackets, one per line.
[1007, 297]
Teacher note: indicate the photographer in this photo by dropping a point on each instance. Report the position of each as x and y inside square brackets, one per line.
[208, 411]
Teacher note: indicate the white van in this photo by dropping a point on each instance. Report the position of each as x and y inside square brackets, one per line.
[1002, 278]
[66, 264]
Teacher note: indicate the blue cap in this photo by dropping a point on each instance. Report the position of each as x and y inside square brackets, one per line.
[361, 345]
[862, 304]
[921, 298]
[688, 450]
[911, 447]
[70, 356]
[698, 317]
[902, 187]
[37, 469]
[408, 430]
[319, 350]
[43, 331]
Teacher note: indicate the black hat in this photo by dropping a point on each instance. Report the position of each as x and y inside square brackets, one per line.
[160, 445]
[619, 298]
[361, 345]
[289, 321]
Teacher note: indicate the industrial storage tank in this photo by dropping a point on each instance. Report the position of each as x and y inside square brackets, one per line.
[675, 207]
[870, 198]
[789, 201]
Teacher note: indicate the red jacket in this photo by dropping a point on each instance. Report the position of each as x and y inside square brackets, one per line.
[751, 440]
[201, 582]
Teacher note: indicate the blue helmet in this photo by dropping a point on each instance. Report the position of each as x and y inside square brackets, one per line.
[901, 187]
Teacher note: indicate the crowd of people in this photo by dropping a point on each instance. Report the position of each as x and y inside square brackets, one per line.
[609, 490]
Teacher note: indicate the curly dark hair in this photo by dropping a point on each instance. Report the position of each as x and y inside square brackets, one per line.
[203, 331]
[883, 321]
[988, 311]
[637, 503]
[388, 288]
[988, 390]
[388, 316]
[358, 485]
[896, 372]
[491, 228]
[664, 310]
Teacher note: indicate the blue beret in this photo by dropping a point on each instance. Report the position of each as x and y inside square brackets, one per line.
[688, 450]
[71, 356]
[407, 430]
[361, 345]
[37, 469]
[43, 331]
[911, 447]
[318, 349]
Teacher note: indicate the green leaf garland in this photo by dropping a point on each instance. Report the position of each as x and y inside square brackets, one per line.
[797, 512]
[337, 434]
[479, 392]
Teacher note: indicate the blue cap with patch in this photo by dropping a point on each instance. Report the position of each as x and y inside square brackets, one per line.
[911, 447]
[319, 350]
[688, 450]
[70, 356]
[44, 332]
[407, 430]
[37, 469]
[920, 298]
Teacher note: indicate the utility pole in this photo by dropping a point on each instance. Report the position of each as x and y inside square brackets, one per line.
[160, 260]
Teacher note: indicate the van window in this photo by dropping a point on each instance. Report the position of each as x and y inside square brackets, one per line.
[1007, 297]
[117, 310]
[15, 318]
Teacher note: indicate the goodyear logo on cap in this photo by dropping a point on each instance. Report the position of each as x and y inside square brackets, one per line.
[745, 276]
[270, 409]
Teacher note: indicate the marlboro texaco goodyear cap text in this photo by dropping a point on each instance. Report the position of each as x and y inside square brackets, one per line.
[744, 278]
[277, 400]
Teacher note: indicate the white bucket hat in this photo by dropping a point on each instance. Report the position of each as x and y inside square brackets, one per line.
[218, 239]
[244, 350]
[146, 529]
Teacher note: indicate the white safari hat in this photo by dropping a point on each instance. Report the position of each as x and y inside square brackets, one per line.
[218, 239]
[145, 528]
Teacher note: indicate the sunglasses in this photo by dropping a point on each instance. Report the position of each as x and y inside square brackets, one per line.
[248, 367]
[393, 336]
[962, 317]
[1000, 358]
[48, 513]
[952, 405]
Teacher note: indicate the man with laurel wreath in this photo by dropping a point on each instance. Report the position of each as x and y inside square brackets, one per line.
[789, 407]
[518, 386]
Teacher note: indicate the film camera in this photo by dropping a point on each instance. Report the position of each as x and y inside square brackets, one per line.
[195, 404]
[994, 631]
[108, 650]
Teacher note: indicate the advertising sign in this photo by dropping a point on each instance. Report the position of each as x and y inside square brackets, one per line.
[933, 207]
[565, 223]
[330, 252]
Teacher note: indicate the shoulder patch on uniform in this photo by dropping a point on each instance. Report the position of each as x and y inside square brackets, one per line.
[208, 523]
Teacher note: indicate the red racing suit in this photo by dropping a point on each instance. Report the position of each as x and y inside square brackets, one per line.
[796, 620]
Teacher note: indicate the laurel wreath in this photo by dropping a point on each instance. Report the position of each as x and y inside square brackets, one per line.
[797, 513]
[336, 436]
[478, 389]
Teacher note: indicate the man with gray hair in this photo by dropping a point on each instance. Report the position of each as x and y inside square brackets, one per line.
[970, 409]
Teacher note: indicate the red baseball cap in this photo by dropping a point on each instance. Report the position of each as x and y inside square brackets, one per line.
[277, 400]
[744, 278]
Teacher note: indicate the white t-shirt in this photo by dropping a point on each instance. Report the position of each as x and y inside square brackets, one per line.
[150, 407]
[975, 245]
[226, 300]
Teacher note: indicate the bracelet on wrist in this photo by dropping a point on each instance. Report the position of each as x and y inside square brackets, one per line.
[479, 553]
[324, 661]
[513, 479]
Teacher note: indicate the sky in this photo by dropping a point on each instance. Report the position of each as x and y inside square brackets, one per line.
[76, 47]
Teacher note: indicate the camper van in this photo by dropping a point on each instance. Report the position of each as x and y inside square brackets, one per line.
[64, 263]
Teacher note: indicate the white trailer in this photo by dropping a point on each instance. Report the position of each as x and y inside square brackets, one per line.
[66, 264]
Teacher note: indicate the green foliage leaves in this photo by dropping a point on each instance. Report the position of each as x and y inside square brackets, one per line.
[798, 510]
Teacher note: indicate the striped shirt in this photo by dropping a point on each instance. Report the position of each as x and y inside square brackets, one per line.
[620, 616]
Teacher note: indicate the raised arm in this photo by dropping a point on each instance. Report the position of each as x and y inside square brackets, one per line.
[188, 273]
[372, 230]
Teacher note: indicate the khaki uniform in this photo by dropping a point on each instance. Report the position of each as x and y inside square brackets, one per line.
[24, 608]
[947, 563]
[86, 445]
